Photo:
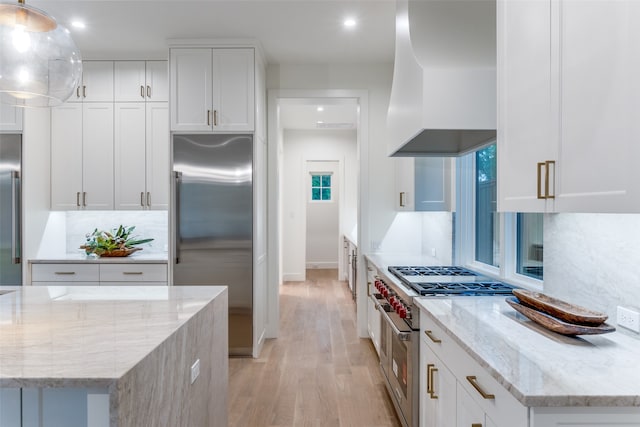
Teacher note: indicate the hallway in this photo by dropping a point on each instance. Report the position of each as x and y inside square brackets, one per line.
[318, 373]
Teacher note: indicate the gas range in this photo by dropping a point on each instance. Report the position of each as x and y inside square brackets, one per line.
[448, 281]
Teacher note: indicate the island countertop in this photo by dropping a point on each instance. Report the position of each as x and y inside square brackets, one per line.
[539, 367]
[88, 336]
[80, 257]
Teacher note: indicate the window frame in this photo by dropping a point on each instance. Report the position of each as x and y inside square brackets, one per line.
[465, 235]
[311, 187]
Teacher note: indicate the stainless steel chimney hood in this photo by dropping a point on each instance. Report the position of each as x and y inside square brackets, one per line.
[443, 97]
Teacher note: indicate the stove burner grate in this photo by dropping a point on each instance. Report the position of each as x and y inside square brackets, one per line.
[431, 271]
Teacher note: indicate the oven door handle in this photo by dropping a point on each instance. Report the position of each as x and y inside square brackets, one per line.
[402, 336]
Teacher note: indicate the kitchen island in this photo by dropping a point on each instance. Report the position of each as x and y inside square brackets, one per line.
[113, 356]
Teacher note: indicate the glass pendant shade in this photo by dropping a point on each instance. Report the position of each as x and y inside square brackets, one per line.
[40, 65]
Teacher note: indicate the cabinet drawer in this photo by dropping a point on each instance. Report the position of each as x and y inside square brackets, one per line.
[65, 273]
[133, 273]
[435, 337]
[133, 283]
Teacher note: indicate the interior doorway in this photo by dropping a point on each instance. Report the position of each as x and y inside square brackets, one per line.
[314, 135]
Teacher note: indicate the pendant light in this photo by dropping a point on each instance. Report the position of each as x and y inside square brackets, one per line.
[40, 65]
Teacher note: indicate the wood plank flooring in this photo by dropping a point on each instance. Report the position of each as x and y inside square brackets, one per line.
[318, 372]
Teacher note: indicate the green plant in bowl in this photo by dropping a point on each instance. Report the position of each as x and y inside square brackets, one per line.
[115, 242]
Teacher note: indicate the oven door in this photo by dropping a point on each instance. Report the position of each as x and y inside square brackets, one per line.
[396, 360]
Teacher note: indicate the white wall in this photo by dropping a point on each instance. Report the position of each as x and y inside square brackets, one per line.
[299, 146]
[376, 189]
[592, 260]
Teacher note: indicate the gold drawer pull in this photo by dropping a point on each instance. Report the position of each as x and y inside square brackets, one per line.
[431, 337]
[65, 273]
[431, 368]
[137, 273]
[474, 382]
[476, 425]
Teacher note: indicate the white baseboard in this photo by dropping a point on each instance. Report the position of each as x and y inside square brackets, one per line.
[293, 277]
[322, 265]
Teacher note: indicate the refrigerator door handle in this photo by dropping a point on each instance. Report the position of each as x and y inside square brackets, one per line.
[176, 247]
[15, 217]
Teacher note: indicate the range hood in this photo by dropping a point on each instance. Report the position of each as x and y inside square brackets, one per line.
[443, 97]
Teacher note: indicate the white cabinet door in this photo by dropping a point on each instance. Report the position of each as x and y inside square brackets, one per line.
[97, 156]
[10, 407]
[591, 417]
[129, 81]
[437, 391]
[525, 135]
[157, 80]
[468, 412]
[405, 174]
[97, 81]
[66, 157]
[233, 89]
[157, 155]
[10, 118]
[424, 184]
[191, 92]
[130, 156]
[600, 64]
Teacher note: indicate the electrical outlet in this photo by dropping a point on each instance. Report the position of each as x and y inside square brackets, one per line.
[195, 371]
[629, 319]
[375, 245]
[433, 252]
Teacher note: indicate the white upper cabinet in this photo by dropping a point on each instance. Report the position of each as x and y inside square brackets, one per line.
[66, 157]
[138, 81]
[157, 156]
[568, 106]
[97, 82]
[212, 89]
[10, 118]
[424, 184]
[97, 156]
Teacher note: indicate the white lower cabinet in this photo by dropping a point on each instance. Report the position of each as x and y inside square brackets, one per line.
[437, 391]
[374, 320]
[591, 417]
[99, 274]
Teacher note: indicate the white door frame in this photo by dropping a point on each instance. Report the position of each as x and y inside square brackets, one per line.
[273, 197]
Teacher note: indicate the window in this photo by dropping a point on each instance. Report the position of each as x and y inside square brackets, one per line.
[505, 245]
[320, 187]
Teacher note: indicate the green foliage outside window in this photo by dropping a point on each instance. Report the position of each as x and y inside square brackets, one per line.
[320, 187]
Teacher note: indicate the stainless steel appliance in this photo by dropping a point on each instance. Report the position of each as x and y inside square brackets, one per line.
[212, 223]
[10, 209]
[399, 336]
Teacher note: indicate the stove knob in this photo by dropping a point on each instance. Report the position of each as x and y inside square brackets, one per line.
[392, 301]
[384, 291]
[396, 304]
[402, 312]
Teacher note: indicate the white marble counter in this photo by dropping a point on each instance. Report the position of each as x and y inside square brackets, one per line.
[541, 368]
[80, 257]
[88, 336]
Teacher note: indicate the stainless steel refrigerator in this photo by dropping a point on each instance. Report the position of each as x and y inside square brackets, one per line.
[212, 223]
[10, 209]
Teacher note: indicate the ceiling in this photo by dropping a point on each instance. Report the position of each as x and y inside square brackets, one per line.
[290, 31]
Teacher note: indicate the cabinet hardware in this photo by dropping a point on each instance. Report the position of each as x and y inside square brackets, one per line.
[215, 117]
[148, 91]
[540, 166]
[148, 199]
[137, 273]
[84, 91]
[402, 193]
[476, 425]
[474, 382]
[431, 337]
[84, 198]
[208, 117]
[431, 368]
[78, 199]
[142, 91]
[78, 92]
[368, 289]
[548, 164]
[65, 273]
[142, 198]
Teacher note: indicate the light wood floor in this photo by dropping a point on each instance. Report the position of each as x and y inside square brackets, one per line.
[318, 372]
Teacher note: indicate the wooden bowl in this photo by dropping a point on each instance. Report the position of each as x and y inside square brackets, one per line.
[560, 309]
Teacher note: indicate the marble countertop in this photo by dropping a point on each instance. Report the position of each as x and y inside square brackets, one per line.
[80, 257]
[539, 367]
[88, 336]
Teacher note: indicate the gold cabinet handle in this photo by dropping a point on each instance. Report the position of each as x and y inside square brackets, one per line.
[78, 199]
[136, 273]
[142, 198]
[431, 337]
[548, 164]
[368, 289]
[142, 91]
[65, 273]
[84, 198]
[474, 382]
[215, 117]
[476, 425]
[208, 117]
[148, 199]
[540, 195]
[84, 91]
[431, 368]
[402, 193]
[148, 91]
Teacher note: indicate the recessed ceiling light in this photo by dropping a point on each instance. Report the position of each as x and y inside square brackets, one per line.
[350, 23]
[320, 122]
[78, 24]
[320, 109]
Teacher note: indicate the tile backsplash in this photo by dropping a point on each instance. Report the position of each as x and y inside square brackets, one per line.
[149, 224]
[593, 260]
